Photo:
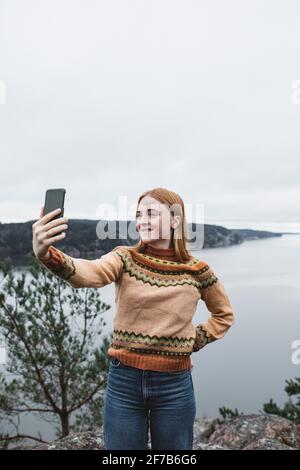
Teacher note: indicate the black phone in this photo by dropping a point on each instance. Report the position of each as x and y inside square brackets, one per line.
[54, 199]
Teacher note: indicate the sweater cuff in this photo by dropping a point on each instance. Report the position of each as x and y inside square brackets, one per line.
[201, 339]
[55, 258]
[59, 263]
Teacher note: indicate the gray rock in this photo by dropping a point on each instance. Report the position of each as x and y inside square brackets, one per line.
[263, 431]
[244, 432]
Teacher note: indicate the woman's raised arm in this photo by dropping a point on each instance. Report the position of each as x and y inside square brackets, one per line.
[77, 272]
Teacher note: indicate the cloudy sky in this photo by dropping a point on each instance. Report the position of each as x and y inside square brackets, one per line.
[110, 98]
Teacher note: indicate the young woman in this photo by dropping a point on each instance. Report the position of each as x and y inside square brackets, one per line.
[158, 284]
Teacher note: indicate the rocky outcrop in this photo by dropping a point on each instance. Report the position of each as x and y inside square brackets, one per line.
[251, 432]
[244, 432]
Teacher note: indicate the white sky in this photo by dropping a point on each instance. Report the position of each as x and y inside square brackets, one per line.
[110, 98]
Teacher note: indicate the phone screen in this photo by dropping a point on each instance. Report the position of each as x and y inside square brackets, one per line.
[54, 199]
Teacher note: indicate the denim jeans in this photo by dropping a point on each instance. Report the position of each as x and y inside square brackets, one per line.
[137, 400]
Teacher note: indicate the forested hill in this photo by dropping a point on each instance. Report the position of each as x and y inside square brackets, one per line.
[82, 240]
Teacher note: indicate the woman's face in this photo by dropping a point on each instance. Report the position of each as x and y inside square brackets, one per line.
[153, 220]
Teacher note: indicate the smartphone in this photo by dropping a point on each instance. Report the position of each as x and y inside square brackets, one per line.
[54, 199]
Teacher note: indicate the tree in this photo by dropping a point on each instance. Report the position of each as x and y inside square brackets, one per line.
[50, 331]
[290, 409]
[228, 412]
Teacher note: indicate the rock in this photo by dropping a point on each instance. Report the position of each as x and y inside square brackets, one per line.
[203, 428]
[203, 446]
[244, 432]
[88, 440]
[267, 444]
[257, 432]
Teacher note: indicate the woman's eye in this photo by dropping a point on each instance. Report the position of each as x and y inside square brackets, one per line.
[152, 214]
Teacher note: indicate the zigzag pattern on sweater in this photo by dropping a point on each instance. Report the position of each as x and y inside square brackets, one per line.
[202, 338]
[152, 351]
[60, 264]
[180, 274]
[128, 340]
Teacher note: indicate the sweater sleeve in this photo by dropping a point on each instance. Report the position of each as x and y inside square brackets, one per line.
[217, 302]
[78, 272]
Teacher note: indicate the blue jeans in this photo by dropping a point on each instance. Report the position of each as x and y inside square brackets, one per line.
[137, 399]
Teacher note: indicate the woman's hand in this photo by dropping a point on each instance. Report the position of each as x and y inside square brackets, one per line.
[45, 232]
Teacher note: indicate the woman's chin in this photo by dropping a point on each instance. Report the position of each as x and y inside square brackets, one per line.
[147, 238]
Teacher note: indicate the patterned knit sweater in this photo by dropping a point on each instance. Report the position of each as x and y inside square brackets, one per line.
[156, 298]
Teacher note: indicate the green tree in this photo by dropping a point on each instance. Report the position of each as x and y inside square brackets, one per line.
[290, 410]
[228, 412]
[51, 333]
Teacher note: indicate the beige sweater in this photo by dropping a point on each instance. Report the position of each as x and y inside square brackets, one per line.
[156, 298]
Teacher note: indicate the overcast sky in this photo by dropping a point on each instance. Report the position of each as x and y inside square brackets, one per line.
[110, 98]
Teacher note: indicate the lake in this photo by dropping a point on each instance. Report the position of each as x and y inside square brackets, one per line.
[250, 364]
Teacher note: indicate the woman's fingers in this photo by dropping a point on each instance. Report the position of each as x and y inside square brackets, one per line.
[50, 241]
[54, 230]
[55, 223]
[46, 218]
[46, 231]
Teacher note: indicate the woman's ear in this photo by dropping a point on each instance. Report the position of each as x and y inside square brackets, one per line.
[176, 222]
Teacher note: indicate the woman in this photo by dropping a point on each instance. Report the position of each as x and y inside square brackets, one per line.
[158, 285]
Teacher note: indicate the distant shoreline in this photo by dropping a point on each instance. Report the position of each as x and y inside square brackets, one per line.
[82, 240]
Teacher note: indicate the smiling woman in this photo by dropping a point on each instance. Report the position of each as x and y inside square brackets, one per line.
[160, 221]
[158, 285]
[149, 226]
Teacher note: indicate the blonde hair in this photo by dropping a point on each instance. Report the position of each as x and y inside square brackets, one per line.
[179, 239]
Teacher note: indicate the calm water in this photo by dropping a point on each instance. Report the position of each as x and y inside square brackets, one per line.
[251, 363]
